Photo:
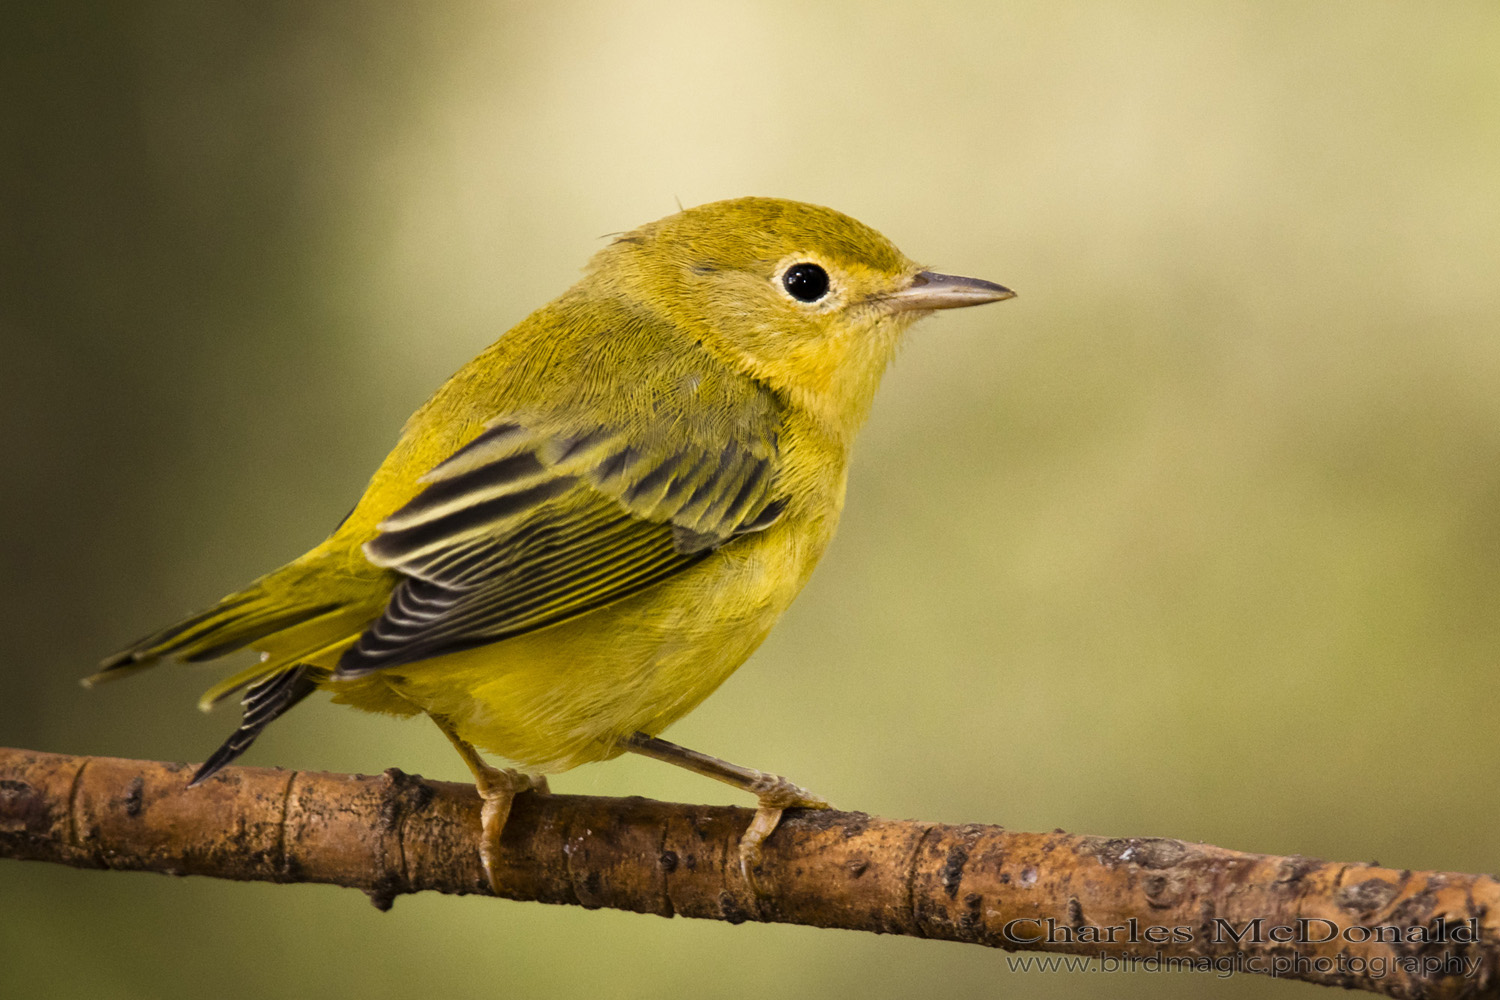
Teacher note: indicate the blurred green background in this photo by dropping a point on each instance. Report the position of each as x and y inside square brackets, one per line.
[1199, 537]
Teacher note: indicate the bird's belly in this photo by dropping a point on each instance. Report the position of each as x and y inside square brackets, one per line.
[549, 700]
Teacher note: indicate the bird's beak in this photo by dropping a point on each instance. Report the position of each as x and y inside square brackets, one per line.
[930, 290]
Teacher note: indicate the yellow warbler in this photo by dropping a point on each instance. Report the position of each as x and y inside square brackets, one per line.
[595, 521]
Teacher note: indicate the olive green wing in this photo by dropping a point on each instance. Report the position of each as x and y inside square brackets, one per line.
[529, 525]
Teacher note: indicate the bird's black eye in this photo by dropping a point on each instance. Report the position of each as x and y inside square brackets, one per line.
[805, 282]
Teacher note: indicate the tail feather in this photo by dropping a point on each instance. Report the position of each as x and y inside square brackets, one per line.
[168, 638]
[288, 616]
[232, 624]
[248, 632]
[302, 654]
[264, 701]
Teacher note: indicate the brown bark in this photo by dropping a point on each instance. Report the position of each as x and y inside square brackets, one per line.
[1051, 892]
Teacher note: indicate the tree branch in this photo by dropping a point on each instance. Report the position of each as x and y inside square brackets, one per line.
[1122, 901]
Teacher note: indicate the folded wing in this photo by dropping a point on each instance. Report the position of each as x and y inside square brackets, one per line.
[527, 526]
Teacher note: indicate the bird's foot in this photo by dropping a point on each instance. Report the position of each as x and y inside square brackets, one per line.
[498, 788]
[776, 795]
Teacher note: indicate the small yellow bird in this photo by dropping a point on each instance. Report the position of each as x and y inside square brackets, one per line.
[595, 521]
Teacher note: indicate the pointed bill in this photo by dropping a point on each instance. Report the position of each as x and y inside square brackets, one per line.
[930, 290]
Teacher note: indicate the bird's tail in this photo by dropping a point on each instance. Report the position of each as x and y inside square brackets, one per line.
[232, 624]
[296, 638]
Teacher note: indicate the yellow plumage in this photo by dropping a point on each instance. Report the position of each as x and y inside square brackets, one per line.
[595, 521]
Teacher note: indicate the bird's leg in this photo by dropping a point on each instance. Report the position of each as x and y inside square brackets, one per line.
[775, 793]
[498, 787]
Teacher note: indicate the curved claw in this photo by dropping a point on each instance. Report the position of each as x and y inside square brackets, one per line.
[776, 795]
[498, 788]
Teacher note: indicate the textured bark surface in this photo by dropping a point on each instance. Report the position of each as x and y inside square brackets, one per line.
[1401, 933]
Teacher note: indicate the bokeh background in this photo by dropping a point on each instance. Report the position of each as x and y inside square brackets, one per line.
[1198, 537]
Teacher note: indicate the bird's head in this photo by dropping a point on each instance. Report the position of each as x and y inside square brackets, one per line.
[805, 299]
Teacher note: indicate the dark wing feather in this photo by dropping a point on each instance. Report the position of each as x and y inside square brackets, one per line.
[264, 702]
[519, 530]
